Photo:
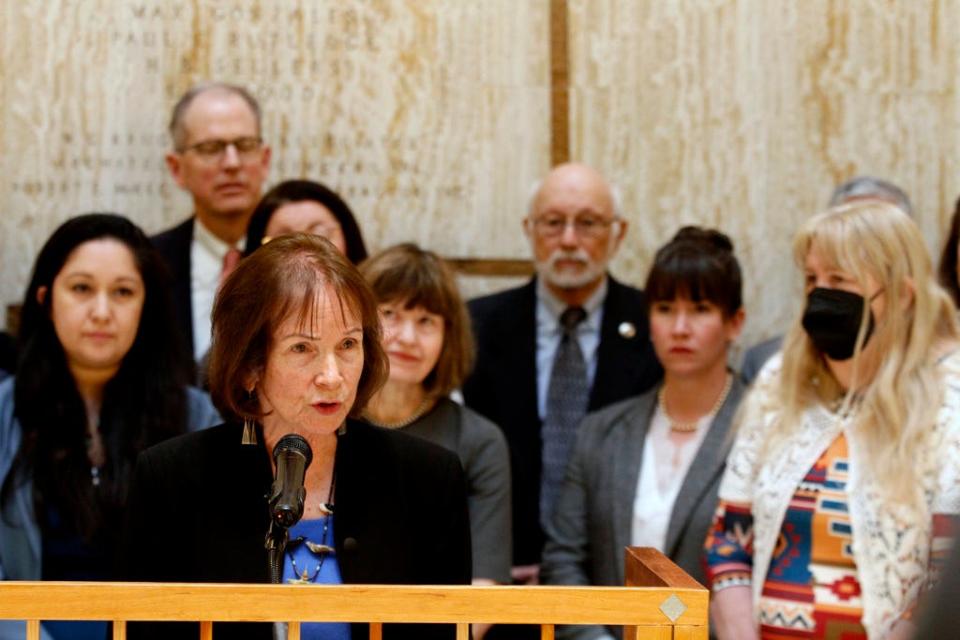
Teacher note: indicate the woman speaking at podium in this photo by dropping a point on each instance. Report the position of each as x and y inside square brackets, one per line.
[297, 350]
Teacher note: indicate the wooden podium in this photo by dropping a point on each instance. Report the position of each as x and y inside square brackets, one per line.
[660, 602]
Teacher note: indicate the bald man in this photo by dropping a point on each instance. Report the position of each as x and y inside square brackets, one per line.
[574, 227]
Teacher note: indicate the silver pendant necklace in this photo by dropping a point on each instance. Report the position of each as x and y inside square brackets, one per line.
[321, 549]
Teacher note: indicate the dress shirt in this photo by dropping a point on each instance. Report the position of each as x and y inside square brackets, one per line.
[550, 333]
[206, 264]
[662, 473]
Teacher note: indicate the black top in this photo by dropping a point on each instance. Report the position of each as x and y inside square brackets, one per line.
[174, 245]
[198, 513]
[503, 386]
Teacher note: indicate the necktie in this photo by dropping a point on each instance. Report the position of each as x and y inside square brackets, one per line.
[230, 260]
[567, 396]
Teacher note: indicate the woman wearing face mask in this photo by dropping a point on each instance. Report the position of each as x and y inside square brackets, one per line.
[97, 382]
[428, 341]
[836, 504]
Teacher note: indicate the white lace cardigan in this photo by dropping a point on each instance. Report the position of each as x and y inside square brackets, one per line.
[891, 546]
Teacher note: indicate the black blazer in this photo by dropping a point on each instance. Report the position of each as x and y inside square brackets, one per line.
[198, 513]
[503, 386]
[174, 245]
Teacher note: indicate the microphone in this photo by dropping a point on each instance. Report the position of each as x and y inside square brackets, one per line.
[292, 456]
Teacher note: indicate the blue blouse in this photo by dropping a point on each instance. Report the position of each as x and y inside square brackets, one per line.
[317, 572]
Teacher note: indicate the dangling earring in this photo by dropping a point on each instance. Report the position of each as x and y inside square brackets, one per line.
[249, 433]
[249, 429]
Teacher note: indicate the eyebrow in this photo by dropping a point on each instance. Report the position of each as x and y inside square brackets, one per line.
[87, 274]
[308, 336]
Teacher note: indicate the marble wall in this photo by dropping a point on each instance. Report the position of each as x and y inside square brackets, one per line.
[743, 114]
[433, 116]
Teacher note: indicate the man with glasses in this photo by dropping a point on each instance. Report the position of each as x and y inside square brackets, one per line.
[219, 157]
[573, 339]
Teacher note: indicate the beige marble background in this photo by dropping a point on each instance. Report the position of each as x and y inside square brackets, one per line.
[432, 116]
[743, 115]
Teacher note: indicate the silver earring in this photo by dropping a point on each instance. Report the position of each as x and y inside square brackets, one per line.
[249, 433]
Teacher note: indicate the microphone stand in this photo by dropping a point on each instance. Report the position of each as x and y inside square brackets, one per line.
[276, 545]
[283, 513]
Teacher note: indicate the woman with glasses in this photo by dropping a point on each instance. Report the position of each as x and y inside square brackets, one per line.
[307, 207]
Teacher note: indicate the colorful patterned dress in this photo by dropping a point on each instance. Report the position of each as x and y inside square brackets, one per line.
[824, 552]
[812, 590]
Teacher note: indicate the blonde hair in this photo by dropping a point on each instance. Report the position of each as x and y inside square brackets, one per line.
[883, 250]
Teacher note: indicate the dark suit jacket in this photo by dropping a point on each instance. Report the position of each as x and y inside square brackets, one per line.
[198, 513]
[503, 386]
[594, 516]
[174, 245]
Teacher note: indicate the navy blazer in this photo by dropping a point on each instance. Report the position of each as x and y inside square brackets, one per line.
[503, 386]
[198, 513]
[174, 246]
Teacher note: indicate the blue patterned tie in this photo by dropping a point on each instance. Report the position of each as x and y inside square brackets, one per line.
[567, 397]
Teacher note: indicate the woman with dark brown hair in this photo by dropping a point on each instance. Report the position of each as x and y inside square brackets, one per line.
[296, 350]
[430, 347]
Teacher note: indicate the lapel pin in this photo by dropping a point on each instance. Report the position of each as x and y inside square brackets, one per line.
[627, 330]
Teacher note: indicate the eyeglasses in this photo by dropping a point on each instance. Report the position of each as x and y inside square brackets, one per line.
[213, 150]
[584, 226]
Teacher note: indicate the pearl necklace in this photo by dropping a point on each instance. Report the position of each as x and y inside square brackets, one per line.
[421, 410]
[689, 427]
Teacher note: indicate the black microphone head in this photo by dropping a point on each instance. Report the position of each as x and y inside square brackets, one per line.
[294, 443]
[292, 455]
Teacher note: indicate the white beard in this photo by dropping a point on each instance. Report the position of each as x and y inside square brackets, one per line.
[586, 272]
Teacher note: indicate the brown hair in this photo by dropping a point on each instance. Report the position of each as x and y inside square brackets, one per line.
[697, 264]
[281, 278]
[419, 278]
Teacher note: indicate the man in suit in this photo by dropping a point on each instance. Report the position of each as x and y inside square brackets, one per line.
[219, 157]
[574, 228]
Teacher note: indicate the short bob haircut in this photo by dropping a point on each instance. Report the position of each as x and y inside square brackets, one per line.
[281, 278]
[306, 191]
[414, 277]
[697, 264]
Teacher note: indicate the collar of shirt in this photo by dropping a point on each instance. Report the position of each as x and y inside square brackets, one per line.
[549, 309]
[206, 265]
[210, 244]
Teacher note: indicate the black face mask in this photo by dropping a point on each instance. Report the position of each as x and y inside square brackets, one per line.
[832, 320]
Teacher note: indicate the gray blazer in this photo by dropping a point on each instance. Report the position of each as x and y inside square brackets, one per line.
[592, 522]
[757, 356]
